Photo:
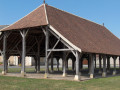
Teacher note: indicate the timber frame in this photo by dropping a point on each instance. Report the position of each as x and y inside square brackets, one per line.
[49, 45]
[20, 49]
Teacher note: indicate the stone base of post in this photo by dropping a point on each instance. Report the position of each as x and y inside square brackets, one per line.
[91, 76]
[64, 74]
[23, 73]
[114, 72]
[104, 74]
[4, 73]
[77, 78]
[46, 75]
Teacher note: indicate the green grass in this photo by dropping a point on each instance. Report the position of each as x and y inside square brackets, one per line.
[13, 70]
[19, 83]
[16, 83]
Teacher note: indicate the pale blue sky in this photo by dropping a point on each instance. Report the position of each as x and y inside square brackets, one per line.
[99, 11]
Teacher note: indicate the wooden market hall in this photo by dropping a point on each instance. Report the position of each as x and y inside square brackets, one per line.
[52, 33]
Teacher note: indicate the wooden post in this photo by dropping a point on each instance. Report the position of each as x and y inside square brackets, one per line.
[52, 62]
[38, 59]
[46, 53]
[95, 61]
[67, 64]
[77, 76]
[4, 53]
[64, 64]
[81, 64]
[36, 63]
[100, 58]
[7, 63]
[48, 64]
[104, 66]
[92, 59]
[114, 60]
[23, 33]
[73, 65]
[108, 64]
[38, 66]
[57, 64]
[89, 63]
[119, 62]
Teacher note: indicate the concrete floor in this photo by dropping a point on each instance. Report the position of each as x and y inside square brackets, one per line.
[57, 75]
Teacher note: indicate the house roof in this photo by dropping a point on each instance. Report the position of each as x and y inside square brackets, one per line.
[3, 26]
[82, 34]
[35, 18]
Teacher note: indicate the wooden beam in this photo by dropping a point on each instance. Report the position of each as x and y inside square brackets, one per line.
[15, 46]
[1, 36]
[53, 47]
[60, 39]
[57, 50]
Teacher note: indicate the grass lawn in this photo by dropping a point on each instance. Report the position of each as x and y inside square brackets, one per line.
[12, 70]
[17, 83]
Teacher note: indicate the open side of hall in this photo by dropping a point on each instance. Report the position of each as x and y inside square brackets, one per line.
[52, 33]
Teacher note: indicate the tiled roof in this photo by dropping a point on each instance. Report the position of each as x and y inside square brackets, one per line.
[3, 26]
[85, 35]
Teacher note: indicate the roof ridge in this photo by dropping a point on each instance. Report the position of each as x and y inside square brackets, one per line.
[46, 13]
[76, 16]
[23, 17]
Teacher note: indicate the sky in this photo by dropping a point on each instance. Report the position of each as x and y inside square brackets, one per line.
[99, 11]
